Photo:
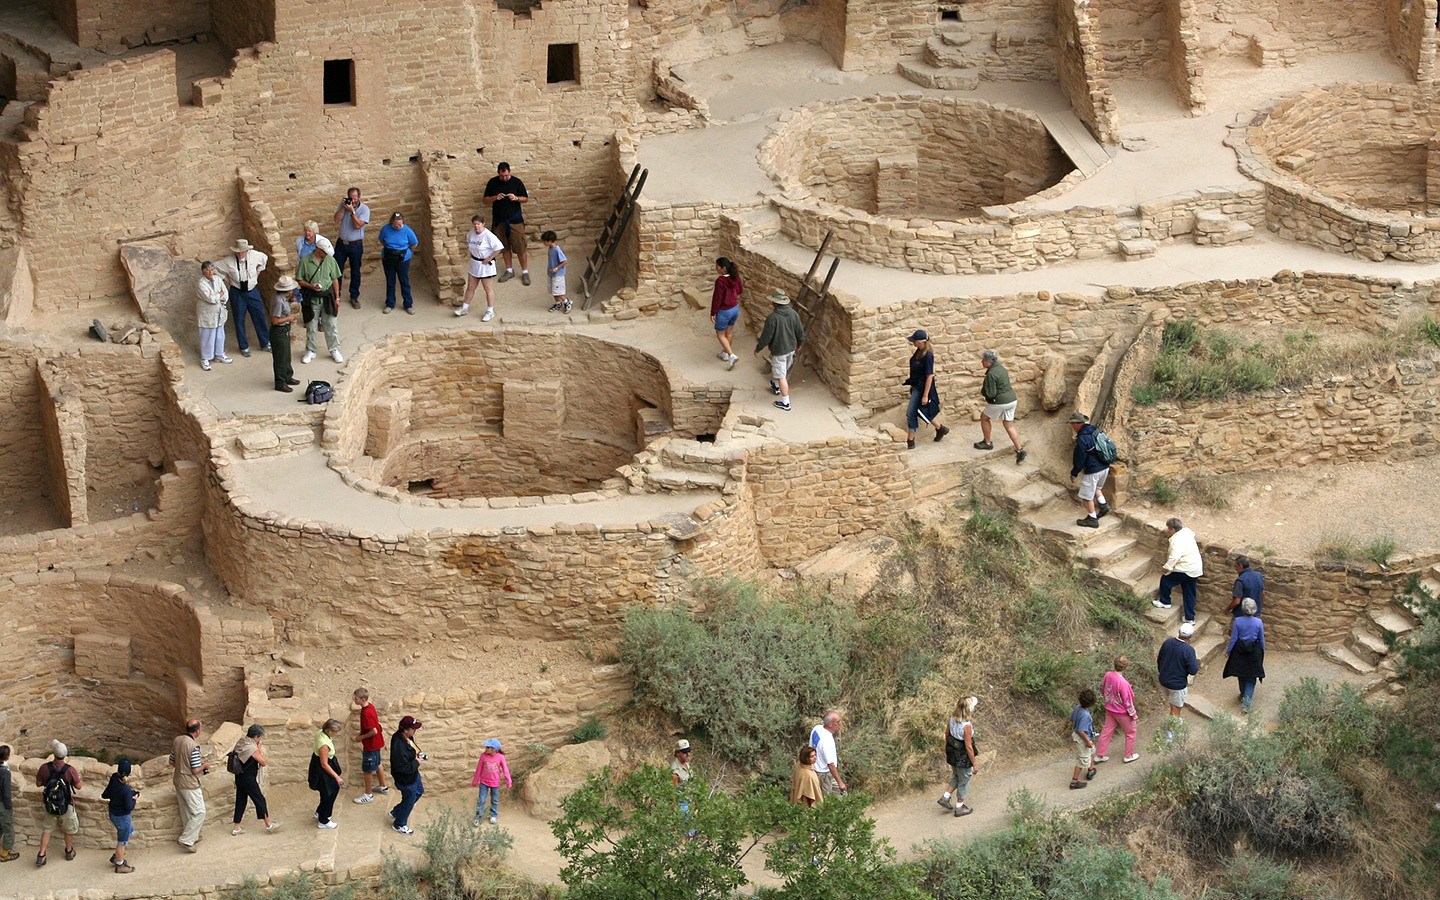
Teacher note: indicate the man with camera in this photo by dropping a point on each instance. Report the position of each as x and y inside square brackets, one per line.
[351, 216]
[319, 277]
[506, 195]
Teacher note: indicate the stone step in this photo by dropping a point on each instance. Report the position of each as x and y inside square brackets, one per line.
[932, 481]
[1056, 520]
[1003, 481]
[1346, 657]
[1209, 646]
[1035, 494]
[685, 480]
[1166, 618]
[958, 36]
[926, 75]
[944, 55]
[1392, 618]
[1201, 706]
[1138, 248]
[1133, 569]
[1366, 644]
[1107, 548]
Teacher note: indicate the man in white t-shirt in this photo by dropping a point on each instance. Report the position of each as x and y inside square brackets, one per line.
[483, 247]
[827, 761]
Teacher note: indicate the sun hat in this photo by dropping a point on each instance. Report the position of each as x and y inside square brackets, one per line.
[241, 246]
[779, 297]
[492, 743]
[286, 283]
[1078, 418]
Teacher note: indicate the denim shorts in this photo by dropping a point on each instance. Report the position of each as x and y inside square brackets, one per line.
[725, 318]
[370, 761]
[124, 828]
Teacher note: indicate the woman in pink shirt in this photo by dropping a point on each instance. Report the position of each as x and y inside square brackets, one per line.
[488, 772]
[1119, 700]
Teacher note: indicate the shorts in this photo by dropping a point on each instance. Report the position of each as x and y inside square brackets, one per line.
[725, 319]
[124, 828]
[511, 234]
[370, 761]
[1178, 698]
[68, 823]
[1084, 756]
[1091, 483]
[480, 269]
[557, 284]
[780, 365]
[1001, 412]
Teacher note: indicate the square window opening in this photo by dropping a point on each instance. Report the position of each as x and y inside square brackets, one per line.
[563, 64]
[339, 82]
[949, 15]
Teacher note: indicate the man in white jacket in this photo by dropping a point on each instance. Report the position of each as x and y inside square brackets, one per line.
[1182, 567]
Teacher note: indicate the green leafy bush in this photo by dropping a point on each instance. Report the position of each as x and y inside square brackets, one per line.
[1328, 727]
[1162, 491]
[592, 729]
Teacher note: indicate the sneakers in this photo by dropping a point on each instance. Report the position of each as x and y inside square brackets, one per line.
[730, 363]
[409, 310]
[188, 848]
[40, 860]
[227, 360]
[506, 276]
[568, 306]
[387, 310]
[354, 302]
[1088, 522]
[944, 802]
[940, 433]
[489, 314]
[464, 310]
[245, 353]
[525, 278]
[783, 404]
[983, 445]
[1090, 773]
[383, 789]
[70, 853]
[909, 444]
[205, 364]
[330, 824]
[493, 820]
[1159, 604]
[364, 798]
[962, 810]
[402, 829]
[1102, 509]
[309, 357]
[390, 814]
[476, 823]
[1077, 785]
[560, 307]
[335, 355]
[272, 827]
[774, 387]
[1100, 759]
[1020, 456]
[1132, 757]
[237, 830]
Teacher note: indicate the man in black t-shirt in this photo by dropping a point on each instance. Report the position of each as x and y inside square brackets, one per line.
[505, 193]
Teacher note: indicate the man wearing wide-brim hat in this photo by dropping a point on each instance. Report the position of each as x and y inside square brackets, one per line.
[241, 271]
[282, 314]
[782, 336]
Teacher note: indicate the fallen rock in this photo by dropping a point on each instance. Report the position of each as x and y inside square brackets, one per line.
[562, 773]
[1052, 382]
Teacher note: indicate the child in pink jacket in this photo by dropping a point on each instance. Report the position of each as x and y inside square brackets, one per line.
[1119, 699]
[488, 772]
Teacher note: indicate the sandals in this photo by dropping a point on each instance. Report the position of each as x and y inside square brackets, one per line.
[69, 853]
[124, 869]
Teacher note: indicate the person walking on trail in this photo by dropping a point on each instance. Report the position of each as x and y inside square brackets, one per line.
[782, 336]
[1176, 664]
[250, 757]
[122, 798]
[7, 808]
[372, 743]
[59, 782]
[1119, 699]
[189, 764]
[804, 782]
[1000, 405]
[1092, 469]
[827, 758]
[405, 760]
[1248, 583]
[1082, 735]
[1245, 654]
[1182, 567]
[961, 755]
[924, 398]
[326, 777]
[725, 307]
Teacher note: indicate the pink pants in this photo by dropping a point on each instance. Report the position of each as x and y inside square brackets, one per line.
[1127, 725]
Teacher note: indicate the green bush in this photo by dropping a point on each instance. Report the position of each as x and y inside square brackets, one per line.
[749, 672]
[1046, 672]
[1250, 877]
[1146, 394]
[592, 729]
[1094, 870]
[1326, 727]
[1162, 491]
[1430, 330]
[1379, 549]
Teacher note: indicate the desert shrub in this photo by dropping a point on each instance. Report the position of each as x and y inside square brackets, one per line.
[1430, 330]
[1250, 877]
[1328, 727]
[1117, 611]
[1336, 545]
[1097, 870]
[748, 671]
[1162, 491]
[1146, 394]
[1379, 549]
[1045, 672]
[592, 729]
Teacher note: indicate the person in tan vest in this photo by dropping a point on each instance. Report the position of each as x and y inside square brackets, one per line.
[189, 763]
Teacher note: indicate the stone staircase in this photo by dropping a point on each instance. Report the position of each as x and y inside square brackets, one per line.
[952, 59]
[677, 465]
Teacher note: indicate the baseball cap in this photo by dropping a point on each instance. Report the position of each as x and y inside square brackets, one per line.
[919, 335]
[409, 722]
[682, 744]
[1186, 629]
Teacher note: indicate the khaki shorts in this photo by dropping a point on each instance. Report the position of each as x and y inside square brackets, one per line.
[1178, 698]
[511, 234]
[780, 365]
[1001, 412]
[68, 823]
[1084, 756]
[1091, 483]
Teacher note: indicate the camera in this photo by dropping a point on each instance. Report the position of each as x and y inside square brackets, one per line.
[425, 756]
[345, 201]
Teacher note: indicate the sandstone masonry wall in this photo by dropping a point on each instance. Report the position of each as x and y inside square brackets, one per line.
[1135, 40]
[1314, 25]
[111, 25]
[1186, 64]
[873, 35]
[1412, 37]
[1080, 65]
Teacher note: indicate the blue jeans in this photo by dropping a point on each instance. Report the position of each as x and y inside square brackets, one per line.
[124, 828]
[918, 410]
[369, 760]
[351, 252]
[1247, 692]
[1187, 591]
[242, 302]
[491, 794]
[400, 270]
[410, 794]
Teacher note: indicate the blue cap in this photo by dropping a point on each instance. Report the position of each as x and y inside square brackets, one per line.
[919, 335]
[124, 767]
[493, 743]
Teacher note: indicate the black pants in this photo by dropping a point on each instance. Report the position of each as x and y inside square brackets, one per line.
[247, 787]
[329, 790]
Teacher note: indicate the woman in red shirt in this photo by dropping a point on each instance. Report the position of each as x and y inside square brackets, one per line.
[725, 306]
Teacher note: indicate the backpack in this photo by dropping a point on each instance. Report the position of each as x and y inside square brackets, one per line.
[1105, 448]
[56, 793]
[233, 765]
[317, 392]
[955, 754]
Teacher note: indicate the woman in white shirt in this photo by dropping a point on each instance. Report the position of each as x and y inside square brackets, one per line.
[211, 314]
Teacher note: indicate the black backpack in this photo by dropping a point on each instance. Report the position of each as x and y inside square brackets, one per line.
[233, 765]
[955, 754]
[317, 392]
[57, 793]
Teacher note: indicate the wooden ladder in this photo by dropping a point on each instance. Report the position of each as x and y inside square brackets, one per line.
[609, 240]
[810, 301]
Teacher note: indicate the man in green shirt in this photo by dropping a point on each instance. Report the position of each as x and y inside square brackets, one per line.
[319, 277]
[1000, 403]
[782, 336]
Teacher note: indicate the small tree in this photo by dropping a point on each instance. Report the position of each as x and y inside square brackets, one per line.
[829, 852]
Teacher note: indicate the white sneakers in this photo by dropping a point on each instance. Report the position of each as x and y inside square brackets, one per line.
[464, 310]
[205, 364]
[402, 829]
[308, 357]
[489, 314]
[227, 360]
[330, 824]
[335, 355]
[1132, 757]
[364, 798]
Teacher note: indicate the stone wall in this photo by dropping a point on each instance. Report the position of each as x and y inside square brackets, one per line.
[26, 473]
[460, 467]
[111, 25]
[1304, 149]
[1412, 36]
[63, 416]
[1080, 66]
[1135, 39]
[966, 153]
[873, 35]
[1314, 25]
[1186, 61]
